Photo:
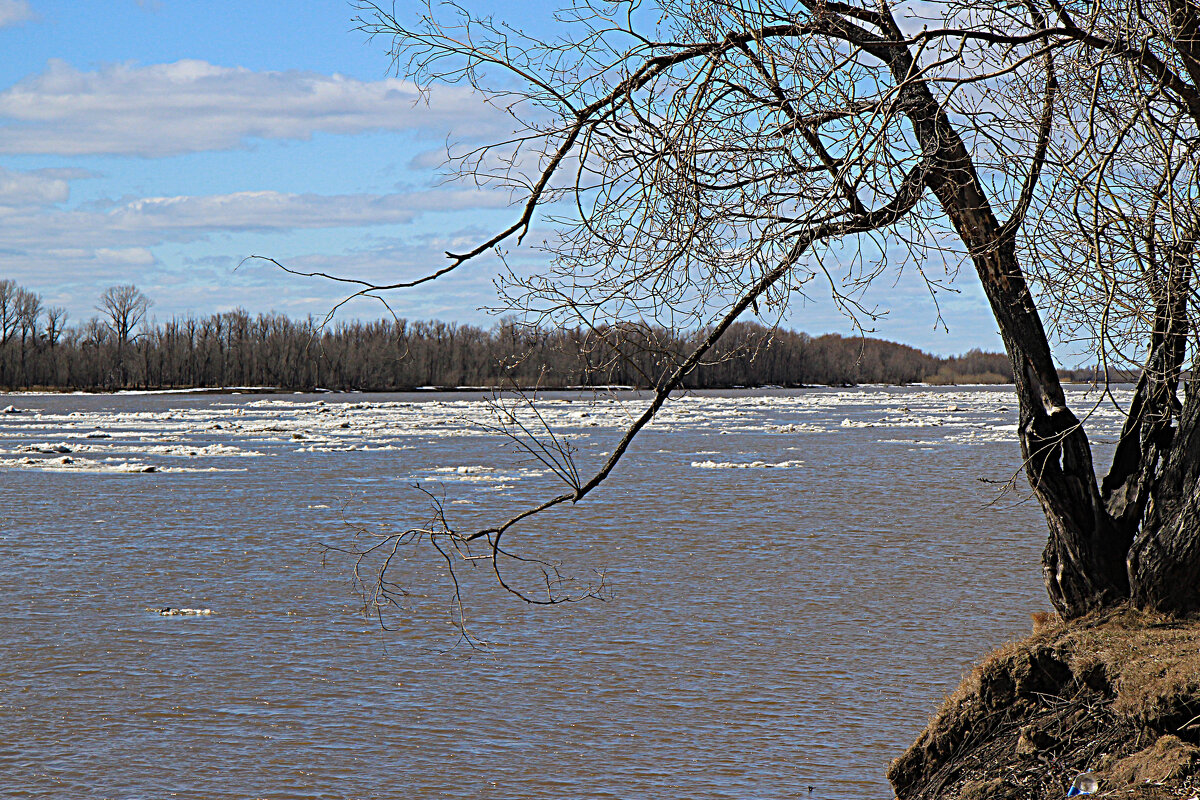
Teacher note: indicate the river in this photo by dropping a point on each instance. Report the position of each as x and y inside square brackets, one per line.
[795, 578]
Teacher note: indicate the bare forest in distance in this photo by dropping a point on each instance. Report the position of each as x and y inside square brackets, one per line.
[120, 349]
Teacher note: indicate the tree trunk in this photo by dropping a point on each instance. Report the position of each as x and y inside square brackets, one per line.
[1139, 536]
[1084, 560]
[1164, 562]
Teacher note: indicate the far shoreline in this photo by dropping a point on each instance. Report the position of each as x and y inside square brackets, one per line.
[278, 390]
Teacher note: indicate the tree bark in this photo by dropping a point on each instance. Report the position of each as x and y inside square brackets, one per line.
[1164, 561]
[1084, 561]
[1152, 493]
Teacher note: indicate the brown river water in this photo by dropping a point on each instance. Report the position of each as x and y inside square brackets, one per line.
[797, 578]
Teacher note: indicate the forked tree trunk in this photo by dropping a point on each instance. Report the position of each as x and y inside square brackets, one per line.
[1140, 538]
[1084, 560]
[1083, 563]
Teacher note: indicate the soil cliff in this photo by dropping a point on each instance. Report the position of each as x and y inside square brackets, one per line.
[1115, 694]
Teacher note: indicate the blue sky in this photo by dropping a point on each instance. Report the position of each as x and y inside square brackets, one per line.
[160, 143]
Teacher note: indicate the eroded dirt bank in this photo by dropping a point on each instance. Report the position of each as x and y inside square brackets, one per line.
[1117, 694]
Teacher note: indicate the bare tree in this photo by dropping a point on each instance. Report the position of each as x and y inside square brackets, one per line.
[125, 307]
[1111, 249]
[56, 322]
[29, 311]
[19, 312]
[703, 161]
[9, 313]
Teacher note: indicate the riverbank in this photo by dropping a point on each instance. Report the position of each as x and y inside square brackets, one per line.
[1116, 694]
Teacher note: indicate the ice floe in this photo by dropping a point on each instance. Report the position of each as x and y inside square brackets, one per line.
[215, 433]
[167, 611]
[193, 451]
[747, 465]
[476, 473]
[113, 466]
[47, 448]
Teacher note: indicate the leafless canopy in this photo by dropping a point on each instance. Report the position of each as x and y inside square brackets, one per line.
[698, 161]
[125, 307]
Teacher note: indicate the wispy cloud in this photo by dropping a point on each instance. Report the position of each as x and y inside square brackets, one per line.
[257, 211]
[46, 243]
[74, 277]
[31, 214]
[60, 269]
[194, 106]
[463, 295]
[32, 189]
[14, 12]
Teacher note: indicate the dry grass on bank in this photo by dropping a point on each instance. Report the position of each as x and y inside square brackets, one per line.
[1117, 693]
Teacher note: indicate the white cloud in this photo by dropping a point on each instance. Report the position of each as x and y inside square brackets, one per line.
[77, 249]
[60, 269]
[280, 211]
[462, 295]
[74, 276]
[260, 211]
[30, 219]
[194, 106]
[14, 12]
[40, 188]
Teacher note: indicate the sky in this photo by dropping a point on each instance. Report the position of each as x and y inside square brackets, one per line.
[161, 142]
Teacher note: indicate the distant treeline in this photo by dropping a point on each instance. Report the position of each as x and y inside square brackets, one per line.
[118, 350]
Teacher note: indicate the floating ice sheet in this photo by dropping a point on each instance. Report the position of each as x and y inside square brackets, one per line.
[225, 428]
[747, 464]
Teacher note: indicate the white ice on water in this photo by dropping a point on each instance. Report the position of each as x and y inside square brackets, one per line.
[229, 433]
[746, 465]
